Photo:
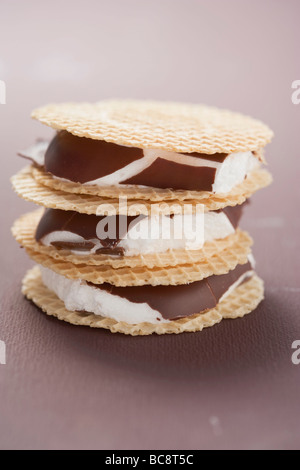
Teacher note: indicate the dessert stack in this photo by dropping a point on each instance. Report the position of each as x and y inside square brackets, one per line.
[139, 227]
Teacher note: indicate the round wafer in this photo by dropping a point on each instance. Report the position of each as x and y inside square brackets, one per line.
[169, 126]
[24, 232]
[219, 263]
[256, 180]
[27, 187]
[243, 300]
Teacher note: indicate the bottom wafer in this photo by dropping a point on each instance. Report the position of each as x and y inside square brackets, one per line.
[244, 299]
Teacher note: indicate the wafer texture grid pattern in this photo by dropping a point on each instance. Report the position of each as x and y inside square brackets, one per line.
[24, 232]
[27, 187]
[256, 180]
[219, 263]
[243, 300]
[148, 124]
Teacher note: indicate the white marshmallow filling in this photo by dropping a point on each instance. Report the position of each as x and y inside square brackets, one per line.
[157, 234]
[229, 173]
[78, 295]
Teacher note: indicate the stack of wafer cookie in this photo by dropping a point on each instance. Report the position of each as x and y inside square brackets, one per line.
[139, 230]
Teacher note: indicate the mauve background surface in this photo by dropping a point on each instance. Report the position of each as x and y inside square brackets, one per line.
[232, 386]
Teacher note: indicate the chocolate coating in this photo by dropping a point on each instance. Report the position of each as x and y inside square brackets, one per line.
[81, 160]
[84, 225]
[214, 157]
[234, 213]
[167, 174]
[220, 284]
[80, 246]
[180, 301]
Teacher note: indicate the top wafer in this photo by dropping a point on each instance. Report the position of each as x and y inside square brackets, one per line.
[158, 125]
[147, 150]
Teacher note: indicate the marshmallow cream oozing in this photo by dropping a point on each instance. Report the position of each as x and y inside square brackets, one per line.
[94, 162]
[131, 236]
[153, 304]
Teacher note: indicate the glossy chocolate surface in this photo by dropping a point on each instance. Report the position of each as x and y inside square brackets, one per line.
[85, 225]
[214, 157]
[167, 174]
[81, 160]
[234, 213]
[182, 300]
